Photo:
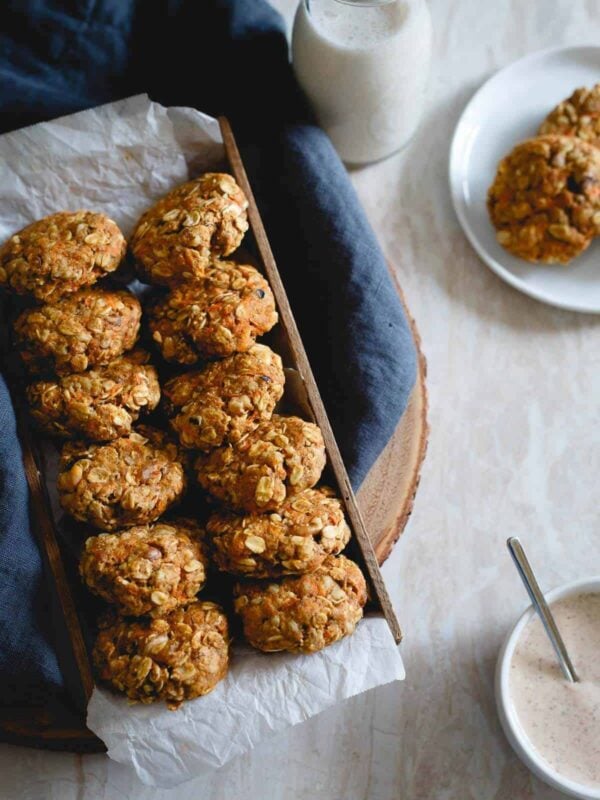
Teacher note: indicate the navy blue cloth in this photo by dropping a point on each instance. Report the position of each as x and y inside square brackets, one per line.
[222, 56]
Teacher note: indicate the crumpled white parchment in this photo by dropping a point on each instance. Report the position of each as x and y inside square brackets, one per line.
[118, 159]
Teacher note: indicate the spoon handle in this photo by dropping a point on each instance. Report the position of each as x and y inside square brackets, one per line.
[539, 603]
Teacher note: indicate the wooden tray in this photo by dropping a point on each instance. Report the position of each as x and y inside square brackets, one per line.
[59, 727]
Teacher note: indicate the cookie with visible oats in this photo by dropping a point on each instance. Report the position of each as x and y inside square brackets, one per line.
[545, 199]
[100, 404]
[216, 316]
[307, 528]
[60, 254]
[176, 238]
[129, 481]
[278, 459]
[579, 116]
[173, 658]
[303, 614]
[226, 399]
[87, 329]
[149, 569]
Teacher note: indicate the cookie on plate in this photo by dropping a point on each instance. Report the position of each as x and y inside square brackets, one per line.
[100, 404]
[129, 481]
[226, 399]
[303, 614]
[176, 238]
[89, 328]
[279, 458]
[174, 658]
[216, 316]
[60, 254]
[307, 528]
[149, 569]
[545, 199]
[579, 116]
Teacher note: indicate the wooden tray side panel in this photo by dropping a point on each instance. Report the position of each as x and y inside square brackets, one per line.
[303, 366]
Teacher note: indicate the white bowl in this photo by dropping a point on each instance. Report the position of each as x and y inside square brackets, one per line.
[506, 710]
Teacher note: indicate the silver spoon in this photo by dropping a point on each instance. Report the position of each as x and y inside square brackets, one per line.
[539, 603]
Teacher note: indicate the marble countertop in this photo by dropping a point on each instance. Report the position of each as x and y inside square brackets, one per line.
[514, 449]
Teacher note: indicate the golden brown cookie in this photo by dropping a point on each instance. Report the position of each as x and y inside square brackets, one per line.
[217, 316]
[60, 254]
[308, 527]
[176, 238]
[279, 458]
[174, 658]
[86, 329]
[100, 404]
[545, 199]
[129, 481]
[226, 399]
[149, 569]
[306, 613]
[579, 116]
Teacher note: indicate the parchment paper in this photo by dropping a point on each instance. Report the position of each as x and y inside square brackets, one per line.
[119, 158]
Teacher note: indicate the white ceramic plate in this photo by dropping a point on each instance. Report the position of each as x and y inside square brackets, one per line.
[508, 108]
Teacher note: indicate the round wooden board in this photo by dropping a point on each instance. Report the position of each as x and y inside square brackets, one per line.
[387, 494]
[385, 500]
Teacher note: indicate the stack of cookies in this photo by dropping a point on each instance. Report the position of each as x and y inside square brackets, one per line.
[271, 528]
[545, 199]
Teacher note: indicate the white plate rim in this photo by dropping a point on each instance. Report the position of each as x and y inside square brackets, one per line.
[454, 180]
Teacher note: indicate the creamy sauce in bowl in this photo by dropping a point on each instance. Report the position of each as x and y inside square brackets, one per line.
[562, 719]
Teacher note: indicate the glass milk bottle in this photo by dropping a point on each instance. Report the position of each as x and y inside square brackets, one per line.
[364, 64]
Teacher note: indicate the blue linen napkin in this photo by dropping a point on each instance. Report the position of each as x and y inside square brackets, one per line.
[222, 56]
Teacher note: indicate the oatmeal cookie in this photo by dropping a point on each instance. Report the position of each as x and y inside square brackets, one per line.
[579, 116]
[307, 528]
[100, 404]
[173, 658]
[545, 199]
[226, 399]
[60, 254]
[149, 569]
[129, 481]
[86, 329]
[176, 238]
[306, 613]
[280, 457]
[217, 316]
